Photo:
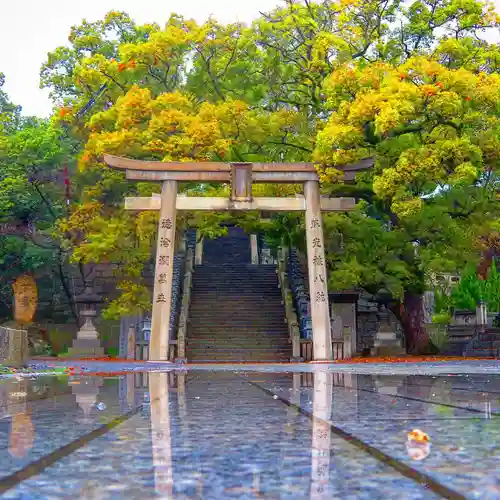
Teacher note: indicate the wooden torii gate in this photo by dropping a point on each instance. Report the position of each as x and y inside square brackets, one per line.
[240, 176]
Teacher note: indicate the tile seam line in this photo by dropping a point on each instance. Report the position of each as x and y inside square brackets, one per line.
[410, 398]
[405, 470]
[475, 391]
[36, 467]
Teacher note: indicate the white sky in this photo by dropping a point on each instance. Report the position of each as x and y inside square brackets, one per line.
[29, 29]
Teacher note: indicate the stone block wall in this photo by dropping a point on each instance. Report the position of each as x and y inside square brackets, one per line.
[368, 323]
[367, 327]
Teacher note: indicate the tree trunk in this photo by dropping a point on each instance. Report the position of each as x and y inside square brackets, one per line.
[485, 263]
[412, 320]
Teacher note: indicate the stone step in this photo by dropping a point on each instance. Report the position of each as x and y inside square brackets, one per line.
[201, 327]
[489, 337]
[236, 312]
[244, 313]
[230, 348]
[242, 359]
[269, 302]
[482, 353]
[477, 344]
[206, 323]
[236, 316]
[233, 286]
[235, 294]
[279, 340]
[230, 288]
[253, 336]
[226, 353]
[217, 347]
[249, 284]
[247, 337]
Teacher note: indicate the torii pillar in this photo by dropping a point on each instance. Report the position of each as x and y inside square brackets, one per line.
[162, 290]
[320, 309]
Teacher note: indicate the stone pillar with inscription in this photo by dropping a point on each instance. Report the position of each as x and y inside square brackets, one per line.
[131, 336]
[198, 252]
[320, 314]
[162, 294]
[254, 249]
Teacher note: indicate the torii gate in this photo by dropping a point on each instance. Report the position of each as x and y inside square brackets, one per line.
[241, 176]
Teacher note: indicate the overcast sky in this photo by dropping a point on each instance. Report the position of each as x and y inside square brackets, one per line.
[29, 29]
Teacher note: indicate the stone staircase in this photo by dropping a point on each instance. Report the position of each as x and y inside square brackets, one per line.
[236, 314]
[484, 344]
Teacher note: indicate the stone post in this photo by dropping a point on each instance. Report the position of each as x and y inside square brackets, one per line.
[482, 314]
[131, 342]
[320, 314]
[162, 294]
[347, 342]
[13, 347]
[254, 249]
[87, 343]
[386, 342]
[343, 314]
[428, 306]
[198, 250]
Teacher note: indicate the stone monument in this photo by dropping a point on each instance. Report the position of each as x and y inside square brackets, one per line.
[386, 342]
[87, 343]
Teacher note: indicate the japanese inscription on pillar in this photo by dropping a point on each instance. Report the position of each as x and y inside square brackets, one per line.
[320, 315]
[318, 260]
[164, 258]
[162, 294]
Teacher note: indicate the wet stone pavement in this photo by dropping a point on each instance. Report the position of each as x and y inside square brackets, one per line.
[219, 434]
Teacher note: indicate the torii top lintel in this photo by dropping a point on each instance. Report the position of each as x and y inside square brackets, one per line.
[223, 172]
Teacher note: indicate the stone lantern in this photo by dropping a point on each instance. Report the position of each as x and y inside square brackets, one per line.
[386, 342]
[87, 342]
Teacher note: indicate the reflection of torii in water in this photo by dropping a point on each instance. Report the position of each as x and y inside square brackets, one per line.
[22, 430]
[321, 434]
[161, 434]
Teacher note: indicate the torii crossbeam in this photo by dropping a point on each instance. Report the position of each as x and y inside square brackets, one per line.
[240, 176]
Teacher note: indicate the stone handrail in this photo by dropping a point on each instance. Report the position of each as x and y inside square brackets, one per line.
[287, 299]
[186, 302]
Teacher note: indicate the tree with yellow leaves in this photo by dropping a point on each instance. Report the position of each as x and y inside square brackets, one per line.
[435, 134]
[171, 127]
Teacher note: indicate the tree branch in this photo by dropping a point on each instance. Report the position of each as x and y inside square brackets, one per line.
[288, 144]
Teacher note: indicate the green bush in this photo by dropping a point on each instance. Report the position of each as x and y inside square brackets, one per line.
[442, 318]
[438, 335]
[471, 290]
[112, 352]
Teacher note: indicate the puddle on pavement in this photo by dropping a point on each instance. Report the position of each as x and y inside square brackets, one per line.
[250, 435]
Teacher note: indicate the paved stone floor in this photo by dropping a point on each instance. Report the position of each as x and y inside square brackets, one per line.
[266, 431]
